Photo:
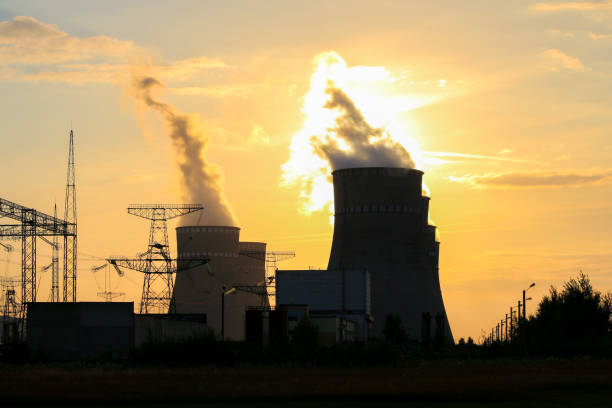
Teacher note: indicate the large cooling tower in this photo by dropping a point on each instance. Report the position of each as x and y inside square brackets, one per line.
[381, 223]
[198, 290]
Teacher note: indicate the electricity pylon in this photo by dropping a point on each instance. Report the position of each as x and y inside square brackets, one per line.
[70, 241]
[108, 294]
[271, 258]
[55, 264]
[156, 265]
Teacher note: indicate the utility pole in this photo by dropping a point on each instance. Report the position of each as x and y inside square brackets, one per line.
[506, 325]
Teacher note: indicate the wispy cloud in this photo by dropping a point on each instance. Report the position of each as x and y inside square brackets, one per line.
[442, 155]
[216, 91]
[573, 5]
[25, 40]
[565, 60]
[535, 179]
[31, 50]
[596, 36]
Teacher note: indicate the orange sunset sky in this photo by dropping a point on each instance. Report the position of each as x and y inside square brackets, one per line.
[506, 106]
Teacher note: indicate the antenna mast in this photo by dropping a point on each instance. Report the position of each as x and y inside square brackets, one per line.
[70, 241]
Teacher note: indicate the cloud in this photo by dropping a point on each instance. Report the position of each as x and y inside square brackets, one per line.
[216, 92]
[31, 50]
[25, 40]
[573, 5]
[535, 179]
[565, 60]
[556, 32]
[595, 36]
[441, 155]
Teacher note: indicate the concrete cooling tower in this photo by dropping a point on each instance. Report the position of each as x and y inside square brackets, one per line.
[381, 223]
[199, 290]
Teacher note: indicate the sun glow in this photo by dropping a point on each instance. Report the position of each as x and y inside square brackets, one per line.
[372, 91]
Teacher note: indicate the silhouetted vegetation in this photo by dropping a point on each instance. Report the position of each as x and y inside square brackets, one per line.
[575, 320]
[570, 321]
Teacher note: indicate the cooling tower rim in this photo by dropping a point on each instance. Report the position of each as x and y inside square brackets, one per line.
[366, 169]
[207, 228]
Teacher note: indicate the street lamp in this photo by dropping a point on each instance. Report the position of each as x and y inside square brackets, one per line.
[223, 294]
[524, 305]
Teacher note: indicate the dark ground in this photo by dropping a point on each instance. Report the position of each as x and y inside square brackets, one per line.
[490, 383]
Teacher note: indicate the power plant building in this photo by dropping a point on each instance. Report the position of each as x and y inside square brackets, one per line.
[342, 293]
[200, 289]
[381, 224]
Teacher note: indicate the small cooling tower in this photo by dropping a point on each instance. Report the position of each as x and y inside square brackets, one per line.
[381, 223]
[198, 290]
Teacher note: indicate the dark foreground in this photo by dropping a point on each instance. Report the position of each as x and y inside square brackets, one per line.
[492, 383]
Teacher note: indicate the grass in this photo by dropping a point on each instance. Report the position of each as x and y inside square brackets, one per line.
[488, 383]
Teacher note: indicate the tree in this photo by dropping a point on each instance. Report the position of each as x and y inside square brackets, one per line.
[575, 315]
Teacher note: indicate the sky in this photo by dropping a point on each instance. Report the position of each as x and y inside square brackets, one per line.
[505, 106]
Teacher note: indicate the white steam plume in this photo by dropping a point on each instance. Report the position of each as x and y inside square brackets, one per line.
[353, 142]
[200, 180]
[336, 134]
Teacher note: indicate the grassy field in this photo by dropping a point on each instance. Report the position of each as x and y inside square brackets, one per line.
[493, 383]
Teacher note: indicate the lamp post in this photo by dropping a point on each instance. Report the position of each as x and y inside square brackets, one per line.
[524, 303]
[522, 326]
[223, 294]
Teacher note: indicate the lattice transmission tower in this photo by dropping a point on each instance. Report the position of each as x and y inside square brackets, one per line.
[268, 287]
[70, 241]
[108, 295]
[55, 264]
[156, 265]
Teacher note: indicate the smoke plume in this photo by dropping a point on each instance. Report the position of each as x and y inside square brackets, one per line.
[200, 180]
[352, 142]
[336, 134]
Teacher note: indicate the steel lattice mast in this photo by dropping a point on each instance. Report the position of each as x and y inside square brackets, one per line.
[155, 263]
[271, 259]
[32, 224]
[55, 265]
[70, 241]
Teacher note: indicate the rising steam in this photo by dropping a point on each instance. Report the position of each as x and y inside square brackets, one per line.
[352, 142]
[336, 134]
[200, 180]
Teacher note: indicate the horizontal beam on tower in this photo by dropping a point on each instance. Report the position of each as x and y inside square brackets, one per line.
[42, 221]
[162, 211]
[157, 266]
[15, 231]
[269, 255]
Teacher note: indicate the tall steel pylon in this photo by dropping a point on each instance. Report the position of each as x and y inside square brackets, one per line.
[271, 259]
[55, 264]
[70, 241]
[155, 263]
